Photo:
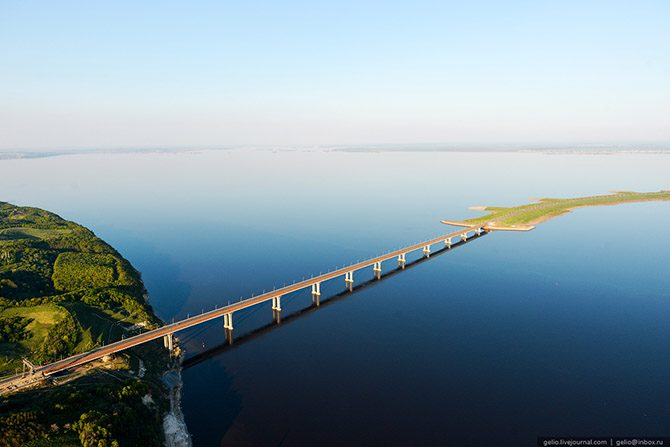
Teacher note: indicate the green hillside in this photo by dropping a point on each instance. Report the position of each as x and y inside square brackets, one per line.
[48, 268]
[64, 291]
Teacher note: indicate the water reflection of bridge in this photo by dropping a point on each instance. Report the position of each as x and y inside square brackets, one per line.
[166, 332]
[309, 309]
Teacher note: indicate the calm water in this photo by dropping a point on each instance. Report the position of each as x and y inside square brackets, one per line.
[563, 330]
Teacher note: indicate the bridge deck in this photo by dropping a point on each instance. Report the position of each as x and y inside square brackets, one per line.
[154, 334]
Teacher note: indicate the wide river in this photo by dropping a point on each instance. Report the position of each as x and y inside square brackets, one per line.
[561, 331]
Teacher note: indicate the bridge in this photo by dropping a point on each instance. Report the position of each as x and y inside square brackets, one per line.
[226, 313]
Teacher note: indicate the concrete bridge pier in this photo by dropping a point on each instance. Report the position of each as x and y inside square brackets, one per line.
[401, 260]
[168, 342]
[478, 231]
[447, 242]
[377, 269]
[464, 236]
[426, 251]
[316, 293]
[276, 309]
[349, 280]
[228, 327]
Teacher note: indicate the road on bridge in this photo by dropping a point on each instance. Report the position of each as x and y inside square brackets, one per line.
[121, 345]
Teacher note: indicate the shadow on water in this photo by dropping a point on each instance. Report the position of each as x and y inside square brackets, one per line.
[261, 331]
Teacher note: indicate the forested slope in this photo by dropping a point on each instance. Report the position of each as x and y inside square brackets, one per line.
[63, 291]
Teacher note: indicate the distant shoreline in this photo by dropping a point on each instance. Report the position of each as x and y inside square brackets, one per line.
[643, 149]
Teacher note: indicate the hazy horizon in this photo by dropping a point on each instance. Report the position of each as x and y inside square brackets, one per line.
[79, 75]
[587, 148]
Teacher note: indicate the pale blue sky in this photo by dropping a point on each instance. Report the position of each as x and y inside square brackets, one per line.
[144, 74]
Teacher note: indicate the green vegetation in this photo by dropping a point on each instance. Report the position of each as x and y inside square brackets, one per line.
[92, 411]
[60, 341]
[13, 329]
[545, 209]
[41, 319]
[68, 282]
[74, 271]
[64, 291]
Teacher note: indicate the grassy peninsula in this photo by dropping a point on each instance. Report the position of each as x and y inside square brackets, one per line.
[64, 291]
[524, 217]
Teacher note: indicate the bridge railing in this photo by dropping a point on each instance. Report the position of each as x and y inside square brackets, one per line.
[217, 312]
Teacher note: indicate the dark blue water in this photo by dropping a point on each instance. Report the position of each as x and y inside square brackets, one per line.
[563, 330]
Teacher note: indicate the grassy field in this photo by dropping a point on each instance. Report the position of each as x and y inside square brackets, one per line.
[44, 317]
[525, 216]
[32, 233]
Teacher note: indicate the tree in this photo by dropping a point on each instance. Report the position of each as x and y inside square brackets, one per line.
[94, 430]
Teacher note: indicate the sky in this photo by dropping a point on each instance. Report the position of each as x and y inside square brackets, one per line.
[129, 74]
